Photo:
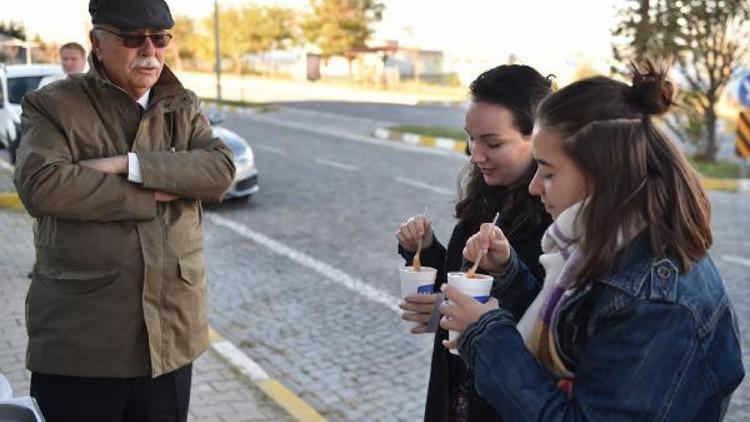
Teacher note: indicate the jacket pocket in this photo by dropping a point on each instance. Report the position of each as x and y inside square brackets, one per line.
[75, 281]
[192, 267]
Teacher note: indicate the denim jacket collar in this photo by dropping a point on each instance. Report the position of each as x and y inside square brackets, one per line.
[632, 266]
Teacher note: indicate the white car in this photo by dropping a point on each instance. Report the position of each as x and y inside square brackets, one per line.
[246, 177]
[15, 82]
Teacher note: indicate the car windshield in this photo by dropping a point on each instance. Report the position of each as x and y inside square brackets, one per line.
[19, 86]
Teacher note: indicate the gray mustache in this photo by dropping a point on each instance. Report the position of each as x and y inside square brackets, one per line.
[146, 62]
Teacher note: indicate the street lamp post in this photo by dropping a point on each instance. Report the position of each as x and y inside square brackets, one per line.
[218, 51]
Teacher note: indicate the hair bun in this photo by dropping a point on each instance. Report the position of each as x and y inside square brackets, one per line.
[651, 90]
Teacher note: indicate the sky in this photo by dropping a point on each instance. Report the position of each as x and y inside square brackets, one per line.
[548, 34]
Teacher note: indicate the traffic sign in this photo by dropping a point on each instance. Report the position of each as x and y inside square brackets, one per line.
[742, 143]
[744, 91]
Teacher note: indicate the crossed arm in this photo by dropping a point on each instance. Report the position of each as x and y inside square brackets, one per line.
[120, 165]
[51, 183]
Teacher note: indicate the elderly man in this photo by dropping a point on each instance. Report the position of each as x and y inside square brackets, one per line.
[114, 166]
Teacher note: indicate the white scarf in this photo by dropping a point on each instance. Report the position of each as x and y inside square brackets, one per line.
[561, 260]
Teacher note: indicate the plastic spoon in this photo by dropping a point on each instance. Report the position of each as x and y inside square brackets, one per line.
[473, 270]
[416, 263]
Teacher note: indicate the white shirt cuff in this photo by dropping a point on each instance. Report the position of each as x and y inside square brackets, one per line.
[134, 168]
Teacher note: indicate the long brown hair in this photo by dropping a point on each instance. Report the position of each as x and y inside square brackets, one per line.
[519, 89]
[636, 177]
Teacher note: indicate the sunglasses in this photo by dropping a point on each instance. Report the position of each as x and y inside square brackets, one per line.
[160, 39]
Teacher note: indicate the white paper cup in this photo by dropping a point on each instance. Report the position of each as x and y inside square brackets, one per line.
[479, 288]
[416, 282]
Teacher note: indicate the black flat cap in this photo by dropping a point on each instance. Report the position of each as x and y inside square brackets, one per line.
[131, 14]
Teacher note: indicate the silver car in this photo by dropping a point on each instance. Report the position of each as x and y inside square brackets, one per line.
[246, 177]
[15, 82]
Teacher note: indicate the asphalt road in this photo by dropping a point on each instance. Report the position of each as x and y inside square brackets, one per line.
[423, 115]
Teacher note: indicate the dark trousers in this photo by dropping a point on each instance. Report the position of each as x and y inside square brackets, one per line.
[142, 399]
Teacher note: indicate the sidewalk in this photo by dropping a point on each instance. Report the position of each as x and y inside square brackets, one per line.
[219, 393]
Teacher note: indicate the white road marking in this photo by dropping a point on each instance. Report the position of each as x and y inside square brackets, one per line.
[240, 360]
[6, 165]
[445, 143]
[272, 150]
[422, 185]
[411, 138]
[351, 137]
[736, 260]
[333, 274]
[336, 164]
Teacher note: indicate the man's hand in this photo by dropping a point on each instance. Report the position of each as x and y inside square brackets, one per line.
[111, 165]
[463, 312]
[164, 197]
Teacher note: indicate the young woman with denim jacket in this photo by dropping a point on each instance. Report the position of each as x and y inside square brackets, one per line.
[499, 123]
[632, 321]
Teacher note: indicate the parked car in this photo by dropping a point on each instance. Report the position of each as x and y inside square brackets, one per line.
[246, 177]
[15, 82]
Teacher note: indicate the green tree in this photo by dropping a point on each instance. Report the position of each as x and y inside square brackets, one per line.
[232, 35]
[13, 29]
[338, 27]
[253, 29]
[281, 24]
[187, 43]
[269, 28]
[706, 38]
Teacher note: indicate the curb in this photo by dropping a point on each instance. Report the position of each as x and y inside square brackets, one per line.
[10, 200]
[425, 141]
[276, 391]
[712, 184]
[726, 185]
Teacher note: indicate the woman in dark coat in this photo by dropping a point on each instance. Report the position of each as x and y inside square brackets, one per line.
[499, 123]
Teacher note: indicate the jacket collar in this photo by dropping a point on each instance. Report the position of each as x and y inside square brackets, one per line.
[632, 265]
[166, 86]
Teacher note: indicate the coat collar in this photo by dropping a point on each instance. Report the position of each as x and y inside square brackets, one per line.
[632, 265]
[166, 86]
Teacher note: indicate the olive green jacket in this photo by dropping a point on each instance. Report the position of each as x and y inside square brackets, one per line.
[119, 284]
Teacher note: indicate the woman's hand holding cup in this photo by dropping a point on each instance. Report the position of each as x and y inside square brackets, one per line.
[419, 308]
[461, 311]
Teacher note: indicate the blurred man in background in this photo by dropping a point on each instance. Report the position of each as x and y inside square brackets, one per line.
[72, 59]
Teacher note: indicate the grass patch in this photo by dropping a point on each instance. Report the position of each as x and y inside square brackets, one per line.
[259, 107]
[435, 131]
[718, 170]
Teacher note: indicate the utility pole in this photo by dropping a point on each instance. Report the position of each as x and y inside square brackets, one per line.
[218, 52]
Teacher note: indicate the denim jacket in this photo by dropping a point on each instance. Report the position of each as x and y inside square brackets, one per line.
[645, 344]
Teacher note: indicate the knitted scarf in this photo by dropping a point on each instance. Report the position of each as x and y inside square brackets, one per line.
[561, 260]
